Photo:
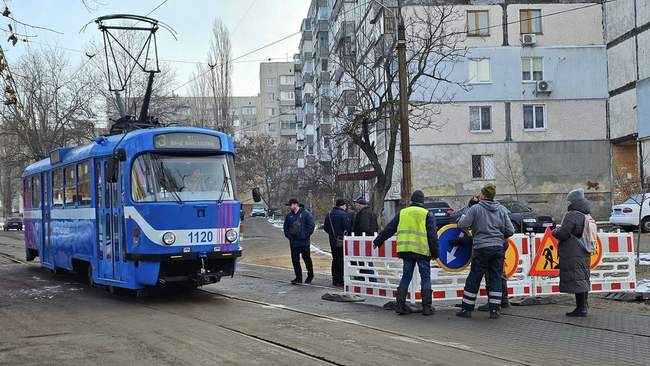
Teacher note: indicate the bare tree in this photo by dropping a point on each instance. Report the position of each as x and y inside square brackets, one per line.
[220, 64]
[201, 102]
[366, 101]
[53, 104]
[263, 162]
[635, 188]
[511, 171]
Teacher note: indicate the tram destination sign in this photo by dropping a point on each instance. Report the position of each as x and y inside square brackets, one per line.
[185, 140]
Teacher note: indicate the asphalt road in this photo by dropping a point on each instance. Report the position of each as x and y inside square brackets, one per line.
[257, 318]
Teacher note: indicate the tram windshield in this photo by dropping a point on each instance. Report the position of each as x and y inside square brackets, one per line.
[164, 178]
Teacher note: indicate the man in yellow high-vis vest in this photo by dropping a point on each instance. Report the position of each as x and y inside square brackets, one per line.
[417, 243]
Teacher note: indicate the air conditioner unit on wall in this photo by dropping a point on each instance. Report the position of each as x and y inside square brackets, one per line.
[544, 86]
[528, 39]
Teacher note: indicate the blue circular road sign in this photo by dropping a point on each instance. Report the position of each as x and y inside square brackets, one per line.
[452, 258]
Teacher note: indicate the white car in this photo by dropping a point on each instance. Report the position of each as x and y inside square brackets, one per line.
[627, 213]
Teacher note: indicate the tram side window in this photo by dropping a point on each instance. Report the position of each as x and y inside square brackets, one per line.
[83, 179]
[27, 193]
[36, 192]
[70, 186]
[57, 188]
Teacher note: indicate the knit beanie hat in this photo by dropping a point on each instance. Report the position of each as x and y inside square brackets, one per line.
[489, 191]
[417, 197]
[576, 195]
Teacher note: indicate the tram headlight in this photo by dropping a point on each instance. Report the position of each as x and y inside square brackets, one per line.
[169, 238]
[231, 235]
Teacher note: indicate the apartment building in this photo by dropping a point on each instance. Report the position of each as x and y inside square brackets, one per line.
[276, 114]
[627, 37]
[244, 112]
[527, 112]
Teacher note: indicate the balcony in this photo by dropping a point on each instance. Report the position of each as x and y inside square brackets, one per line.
[383, 47]
[346, 30]
[321, 26]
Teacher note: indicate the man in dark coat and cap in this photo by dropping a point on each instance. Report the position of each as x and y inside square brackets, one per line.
[338, 223]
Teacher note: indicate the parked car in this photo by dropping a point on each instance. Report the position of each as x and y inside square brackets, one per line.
[626, 214]
[442, 212]
[258, 210]
[524, 219]
[13, 222]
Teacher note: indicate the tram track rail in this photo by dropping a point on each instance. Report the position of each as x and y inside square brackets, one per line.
[324, 360]
[254, 337]
[387, 332]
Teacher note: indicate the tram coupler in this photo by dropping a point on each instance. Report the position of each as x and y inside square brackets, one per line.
[206, 278]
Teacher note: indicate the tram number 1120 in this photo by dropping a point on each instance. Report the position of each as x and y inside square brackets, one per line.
[199, 237]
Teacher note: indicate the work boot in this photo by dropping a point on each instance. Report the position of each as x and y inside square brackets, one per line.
[464, 314]
[400, 307]
[296, 281]
[494, 314]
[427, 309]
[484, 307]
[310, 278]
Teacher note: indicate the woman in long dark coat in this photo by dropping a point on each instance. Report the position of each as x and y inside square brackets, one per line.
[574, 259]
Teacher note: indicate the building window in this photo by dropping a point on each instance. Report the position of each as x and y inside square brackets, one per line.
[534, 117]
[480, 119]
[532, 68]
[530, 21]
[288, 125]
[286, 79]
[287, 95]
[389, 21]
[269, 82]
[270, 97]
[270, 112]
[248, 111]
[483, 167]
[479, 70]
[477, 23]
[272, 127]
[323, 64]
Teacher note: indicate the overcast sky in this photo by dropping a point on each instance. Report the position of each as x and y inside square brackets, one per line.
[253, 23]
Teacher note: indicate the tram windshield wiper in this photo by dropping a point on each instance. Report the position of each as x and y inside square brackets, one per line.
[169, 182]
[224, 187]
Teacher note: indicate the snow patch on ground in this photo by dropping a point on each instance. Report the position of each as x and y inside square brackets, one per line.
[644, 259]
[318, 251]
[643, 286]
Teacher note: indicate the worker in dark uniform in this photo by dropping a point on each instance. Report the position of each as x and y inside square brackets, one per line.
[491, 227]
[417, 244]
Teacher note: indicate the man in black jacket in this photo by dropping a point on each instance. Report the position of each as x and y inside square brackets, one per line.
[365, 221]
[298, 227]
[338, 223]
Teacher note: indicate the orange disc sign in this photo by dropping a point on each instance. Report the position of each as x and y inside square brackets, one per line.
[597, 255]
[511, 259]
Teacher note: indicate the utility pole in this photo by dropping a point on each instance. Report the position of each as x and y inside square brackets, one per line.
[405, 143]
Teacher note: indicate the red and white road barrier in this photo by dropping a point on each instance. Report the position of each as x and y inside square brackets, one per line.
[376, 272]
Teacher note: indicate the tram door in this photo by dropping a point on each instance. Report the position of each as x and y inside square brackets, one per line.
[47, 201]
[109, 221]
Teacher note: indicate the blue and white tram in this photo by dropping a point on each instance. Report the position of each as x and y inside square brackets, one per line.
[148, 207]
